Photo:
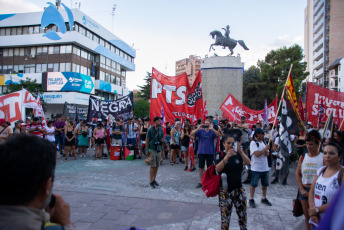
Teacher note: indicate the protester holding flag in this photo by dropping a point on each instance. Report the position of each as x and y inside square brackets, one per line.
[326, 182]
[306, 170]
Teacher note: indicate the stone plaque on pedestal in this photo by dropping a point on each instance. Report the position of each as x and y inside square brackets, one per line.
[221, 76]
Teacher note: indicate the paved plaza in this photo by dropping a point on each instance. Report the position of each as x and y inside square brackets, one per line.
[106, 194]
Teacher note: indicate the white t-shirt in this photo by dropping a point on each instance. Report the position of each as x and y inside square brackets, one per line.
[325, 188]
[258, 164]
[50, 133]
[309, 167]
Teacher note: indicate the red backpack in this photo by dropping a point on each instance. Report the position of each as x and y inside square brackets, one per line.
[211, 181]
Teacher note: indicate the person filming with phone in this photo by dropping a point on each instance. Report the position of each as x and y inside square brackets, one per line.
[27, 169]
[206, 149]
[229, 164]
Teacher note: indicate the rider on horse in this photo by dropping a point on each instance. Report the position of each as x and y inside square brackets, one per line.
[227, 31]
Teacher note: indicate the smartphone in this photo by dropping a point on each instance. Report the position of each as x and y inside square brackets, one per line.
[235, 146]
[205, 126]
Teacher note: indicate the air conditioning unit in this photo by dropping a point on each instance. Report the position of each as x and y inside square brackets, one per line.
[32, 55]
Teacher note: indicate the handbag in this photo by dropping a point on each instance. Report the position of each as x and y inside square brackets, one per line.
[297, 206]
[211, 182]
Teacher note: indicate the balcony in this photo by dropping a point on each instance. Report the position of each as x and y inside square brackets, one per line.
[318, 46]
[318, 36]
[318, 73]
[317, 17]
[319, 64]
[317, 55]
[319, 26]
[318, 6]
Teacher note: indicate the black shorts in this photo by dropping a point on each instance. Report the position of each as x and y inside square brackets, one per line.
[175, 146]
[99, 141]
[205, 157]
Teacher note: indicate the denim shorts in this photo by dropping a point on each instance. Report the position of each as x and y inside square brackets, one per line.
[184, 149]
[300, 196]
[264, 176]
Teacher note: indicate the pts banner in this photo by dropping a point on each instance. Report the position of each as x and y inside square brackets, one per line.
[233, 110]
[122, 107]
[175, 97]
[328, 99]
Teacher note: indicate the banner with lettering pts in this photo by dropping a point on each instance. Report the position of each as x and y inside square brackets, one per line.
[329, 99]
[233, 110]
[177, 98]
[122, 107]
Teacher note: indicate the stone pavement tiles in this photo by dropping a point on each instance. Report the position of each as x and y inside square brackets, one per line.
[105, 194]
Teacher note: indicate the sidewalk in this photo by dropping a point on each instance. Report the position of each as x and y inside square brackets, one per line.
[106, 194]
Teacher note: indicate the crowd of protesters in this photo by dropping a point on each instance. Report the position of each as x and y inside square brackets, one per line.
[232, 146]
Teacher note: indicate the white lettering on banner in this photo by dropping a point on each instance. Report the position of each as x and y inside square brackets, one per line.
[181, 94]
[156, 88]
[95, 105]
[122, 105]
[104, 106]
[326, 101]
[336, 112]
[169, 89]
[229, 101]
[113, 107]
[110, 106]
[182, 114]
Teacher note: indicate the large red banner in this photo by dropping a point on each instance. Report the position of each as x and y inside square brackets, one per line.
[329, 99]
[233, 110]
[176, 97]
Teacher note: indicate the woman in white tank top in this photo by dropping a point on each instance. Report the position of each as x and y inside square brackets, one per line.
[326, 183]
[306, 170]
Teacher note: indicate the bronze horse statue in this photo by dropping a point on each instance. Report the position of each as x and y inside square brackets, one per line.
[220, 40]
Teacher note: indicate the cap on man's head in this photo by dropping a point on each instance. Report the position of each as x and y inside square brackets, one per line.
[156, 118]
[259, 131]
[243, 117]
[22, 124]
[309, 123]
[2, 121]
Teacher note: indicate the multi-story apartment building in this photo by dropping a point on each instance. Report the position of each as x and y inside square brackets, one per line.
[190, 66]
[68, 53]
[327, 38]
[337, 75]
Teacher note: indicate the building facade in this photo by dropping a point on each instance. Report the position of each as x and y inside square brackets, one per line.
[67, 52]
[327, 38]
[190, 66]
[308, 39]
[337, 75]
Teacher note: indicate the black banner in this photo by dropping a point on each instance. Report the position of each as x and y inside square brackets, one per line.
[123, 107]
[71, 111]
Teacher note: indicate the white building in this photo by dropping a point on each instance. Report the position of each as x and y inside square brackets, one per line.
[337, 75]
[67, 52]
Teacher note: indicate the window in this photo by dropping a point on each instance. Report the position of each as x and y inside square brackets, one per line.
[36, 29]
[16, 68]
[25, 30]
[62, 67]
[108, 78]
[14, 31]
[45, 50]
[108, 62]
[102, 59]
[39, 50]
[50, 67]
[107, 45]
[76, 51]
[10, 52]
[102, 76]
[102, 42]
[44, 67]
[68, 67]
[56, 49]
[30, 29]
[63, 49]
[3, 32]
[39, 68]
[68, 49]
[33, 51]
[27, 51]
[8, 31]
[16, 51]
[5, 53]
[21, 69]
[51, 49]
[96, 38]
[76, 27]
[76, 68]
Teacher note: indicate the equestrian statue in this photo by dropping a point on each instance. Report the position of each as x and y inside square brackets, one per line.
[225, 41]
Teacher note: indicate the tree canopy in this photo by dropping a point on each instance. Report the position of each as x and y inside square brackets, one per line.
[268, 79]
[141, 108]
[144, 91]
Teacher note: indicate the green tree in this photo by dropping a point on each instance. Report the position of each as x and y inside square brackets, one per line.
[141, 108]
[30, 85]
[144, 91]
[251, 89]
[274, 70]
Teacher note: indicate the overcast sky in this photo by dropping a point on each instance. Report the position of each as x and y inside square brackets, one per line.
[164, 31]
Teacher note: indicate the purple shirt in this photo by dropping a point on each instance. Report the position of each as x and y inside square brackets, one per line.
[205, 141]
[59, 125]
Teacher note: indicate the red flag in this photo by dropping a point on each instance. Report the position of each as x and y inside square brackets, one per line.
[301, 110]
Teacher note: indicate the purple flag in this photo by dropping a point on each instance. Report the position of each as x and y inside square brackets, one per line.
[265, 115]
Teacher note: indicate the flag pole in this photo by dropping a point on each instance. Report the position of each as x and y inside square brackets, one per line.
[279, 106]
[296, 112]
[327, 120]
[341, 124]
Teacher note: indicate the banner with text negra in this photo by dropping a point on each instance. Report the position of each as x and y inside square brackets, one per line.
[122, 107]
[233, 110]
[177, 98]
[329, 99]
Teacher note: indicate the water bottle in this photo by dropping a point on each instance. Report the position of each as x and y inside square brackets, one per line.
[224, 181]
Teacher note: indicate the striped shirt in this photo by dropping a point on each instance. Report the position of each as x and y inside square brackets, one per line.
[37, 133]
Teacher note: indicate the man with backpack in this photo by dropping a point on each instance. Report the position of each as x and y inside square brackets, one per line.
[259, 166]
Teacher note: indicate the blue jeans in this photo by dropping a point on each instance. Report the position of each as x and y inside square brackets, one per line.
[264, 176]
[60, 139]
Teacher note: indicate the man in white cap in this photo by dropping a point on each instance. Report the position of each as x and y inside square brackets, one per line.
[309, 126]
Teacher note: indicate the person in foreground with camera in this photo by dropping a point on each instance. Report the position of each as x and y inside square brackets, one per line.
[230, 165]
[27, 175]
[206, 135]
[154, 140]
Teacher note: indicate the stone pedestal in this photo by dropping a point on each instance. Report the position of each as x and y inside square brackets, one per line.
[221, 76]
